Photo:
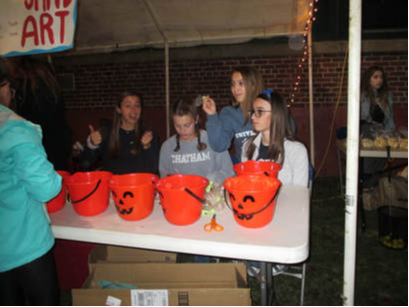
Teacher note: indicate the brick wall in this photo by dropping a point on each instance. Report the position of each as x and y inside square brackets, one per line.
[97, 84]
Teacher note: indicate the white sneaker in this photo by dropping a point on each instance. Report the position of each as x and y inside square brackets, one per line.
[276, 269]
[253, 271]
[279, 268]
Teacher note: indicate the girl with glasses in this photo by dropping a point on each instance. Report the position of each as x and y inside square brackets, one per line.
[275, 140]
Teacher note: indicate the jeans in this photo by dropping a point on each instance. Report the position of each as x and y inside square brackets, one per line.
[202, 259]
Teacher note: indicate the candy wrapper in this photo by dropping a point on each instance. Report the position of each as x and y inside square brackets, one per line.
[214, 198]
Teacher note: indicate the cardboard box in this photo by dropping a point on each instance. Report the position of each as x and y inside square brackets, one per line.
[188, 284]
[117, 254]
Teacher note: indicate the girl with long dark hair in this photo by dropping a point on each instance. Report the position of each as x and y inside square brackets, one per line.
[275, 140]
[376, 99]
[127, 146]
[233, 122]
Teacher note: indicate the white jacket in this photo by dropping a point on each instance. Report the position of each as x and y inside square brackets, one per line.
[296, 165]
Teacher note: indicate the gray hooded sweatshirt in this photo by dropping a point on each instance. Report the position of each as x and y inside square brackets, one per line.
[215, 166]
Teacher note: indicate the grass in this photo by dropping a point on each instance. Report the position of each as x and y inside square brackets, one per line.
[381, 273]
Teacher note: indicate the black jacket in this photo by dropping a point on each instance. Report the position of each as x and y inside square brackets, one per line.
[146, 161]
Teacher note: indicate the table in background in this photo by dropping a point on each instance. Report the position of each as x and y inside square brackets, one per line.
[365, 153]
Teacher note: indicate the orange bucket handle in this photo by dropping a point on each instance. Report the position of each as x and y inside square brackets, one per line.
[249, 216]
[89, 195]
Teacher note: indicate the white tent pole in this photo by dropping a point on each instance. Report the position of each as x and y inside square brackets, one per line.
[150, 8]
[311, 97]
[351, 202]
[167, 90]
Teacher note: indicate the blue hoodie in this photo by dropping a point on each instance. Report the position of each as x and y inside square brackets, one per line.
[226, 126]
[27, 181]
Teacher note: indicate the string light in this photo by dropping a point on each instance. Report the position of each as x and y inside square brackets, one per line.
[308, 24]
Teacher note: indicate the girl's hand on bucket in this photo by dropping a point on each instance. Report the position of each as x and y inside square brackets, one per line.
[147, 139]
[95, 135]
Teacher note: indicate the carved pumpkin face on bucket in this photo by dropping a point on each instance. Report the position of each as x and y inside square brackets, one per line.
[133, 195]
[246, 205]
[252, 198]
[125, 201]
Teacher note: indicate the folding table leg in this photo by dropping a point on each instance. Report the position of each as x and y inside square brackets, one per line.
[263, 283]
[266, 279]
[270, 285]
[360, 193]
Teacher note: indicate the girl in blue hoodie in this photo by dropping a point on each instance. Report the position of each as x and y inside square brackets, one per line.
[234, 122]
[27, 181]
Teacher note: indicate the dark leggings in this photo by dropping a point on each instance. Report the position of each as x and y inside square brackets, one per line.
[35, 281]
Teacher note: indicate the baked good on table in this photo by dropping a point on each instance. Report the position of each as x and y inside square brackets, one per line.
[366, 143]
[393, 143]
[403, 144]
[380, 142]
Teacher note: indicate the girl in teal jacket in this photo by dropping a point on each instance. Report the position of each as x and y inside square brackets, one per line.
[27, 181]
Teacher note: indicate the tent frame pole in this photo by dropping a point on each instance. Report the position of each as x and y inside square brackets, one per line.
[149, 7]
[351, 201]
[311, 96]
[167, 90]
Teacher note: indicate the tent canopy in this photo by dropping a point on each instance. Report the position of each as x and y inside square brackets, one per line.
[107, 25]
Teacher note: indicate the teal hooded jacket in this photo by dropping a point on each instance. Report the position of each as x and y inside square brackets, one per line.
[27, 181]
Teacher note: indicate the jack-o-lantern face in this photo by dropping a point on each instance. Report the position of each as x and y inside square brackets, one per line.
[124, 207]
[248, 201]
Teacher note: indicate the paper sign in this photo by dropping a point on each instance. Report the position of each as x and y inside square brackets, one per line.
[149, 298]
[36, 26]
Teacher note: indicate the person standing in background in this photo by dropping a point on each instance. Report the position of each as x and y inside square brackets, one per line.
[376, 118]
[376, 99]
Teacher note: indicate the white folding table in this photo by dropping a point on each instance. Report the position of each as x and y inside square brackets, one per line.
[284, 240]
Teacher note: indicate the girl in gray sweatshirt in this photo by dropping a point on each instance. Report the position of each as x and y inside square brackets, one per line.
[188, 151]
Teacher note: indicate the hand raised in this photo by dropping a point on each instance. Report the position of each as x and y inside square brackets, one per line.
[147, 139]
[95, 135]
[209, 106]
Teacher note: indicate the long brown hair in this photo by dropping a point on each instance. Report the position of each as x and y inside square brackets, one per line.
[253, 83]
[4, 78]
[182, 108]
[114, 143]
[34, 73]
[280, 128]
[381, 93]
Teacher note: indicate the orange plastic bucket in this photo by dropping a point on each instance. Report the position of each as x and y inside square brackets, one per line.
[133, 195]
[58, 202]
[89, 192]
[181, 197]
[252, 167]
[253, 199]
